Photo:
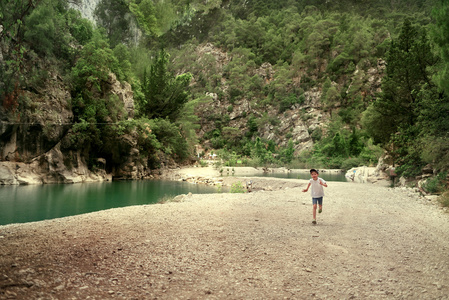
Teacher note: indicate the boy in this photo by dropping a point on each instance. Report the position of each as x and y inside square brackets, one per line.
[317, 192]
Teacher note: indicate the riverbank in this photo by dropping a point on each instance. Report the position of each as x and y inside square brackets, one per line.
[371, 242]
[229, 175]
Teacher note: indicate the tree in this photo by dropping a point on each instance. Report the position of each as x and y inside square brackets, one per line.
[41, 29]
[165, 94]
[407, 71]
[12, 16]
[145, 15]
[287, 154]
[95, 63]
[121, 53]
[170, 137]
[81, 29]
[440, 36]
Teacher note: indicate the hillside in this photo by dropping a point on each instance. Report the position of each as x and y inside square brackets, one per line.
[152, 84]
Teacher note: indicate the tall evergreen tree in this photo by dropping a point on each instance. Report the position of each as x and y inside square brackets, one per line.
[440, 36]
[165, 94]
[407, 71]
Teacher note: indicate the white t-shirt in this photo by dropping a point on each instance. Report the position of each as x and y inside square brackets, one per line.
[316, 190]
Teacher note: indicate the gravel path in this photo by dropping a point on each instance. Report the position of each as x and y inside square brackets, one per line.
[370, 242]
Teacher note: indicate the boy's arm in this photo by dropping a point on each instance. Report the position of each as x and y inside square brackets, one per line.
[323, 183]
[306, 189]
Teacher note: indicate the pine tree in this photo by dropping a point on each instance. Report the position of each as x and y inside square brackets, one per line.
[165, 94]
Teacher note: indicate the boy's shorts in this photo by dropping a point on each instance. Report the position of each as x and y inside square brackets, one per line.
[318, 200]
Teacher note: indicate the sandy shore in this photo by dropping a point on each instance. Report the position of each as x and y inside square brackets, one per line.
[371, 242]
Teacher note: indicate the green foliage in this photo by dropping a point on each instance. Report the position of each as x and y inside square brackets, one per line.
[436, 184]
[12, 18]
[290, 101]
[81, 29]
[331, 47]
[188, 123]
[31, 31]
[440, 37]
[237, 187]
[51, 27]
[114, 16]
[144, 12]
[170, 136]
[262, 151]
[286, 155]
[407, 64]
[41, 33]
[410, 118]
[165, 94]
[123, 67]
[342, 148]
[95, 62]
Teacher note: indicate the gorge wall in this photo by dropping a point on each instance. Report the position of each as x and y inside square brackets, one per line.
[35, 147]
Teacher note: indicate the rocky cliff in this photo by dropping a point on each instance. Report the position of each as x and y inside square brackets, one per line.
[86, 8]
[35, 148]
[297, 123]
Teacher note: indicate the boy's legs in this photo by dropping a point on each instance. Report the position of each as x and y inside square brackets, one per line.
[320, 204]
[315, 201]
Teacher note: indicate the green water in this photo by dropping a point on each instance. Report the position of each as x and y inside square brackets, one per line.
[20, 204]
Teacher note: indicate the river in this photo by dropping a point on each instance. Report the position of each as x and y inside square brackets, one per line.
[28, 203]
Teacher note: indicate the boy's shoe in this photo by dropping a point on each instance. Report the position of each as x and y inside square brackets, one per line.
[314, 221]
[320, 210]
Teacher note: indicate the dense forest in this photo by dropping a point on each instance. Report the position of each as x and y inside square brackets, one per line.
[366, 79]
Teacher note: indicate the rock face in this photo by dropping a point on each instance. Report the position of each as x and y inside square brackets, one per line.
[49, 168]
[32, 147]
[47, 120]
[86, 8]
[369, 174]
[297, 123]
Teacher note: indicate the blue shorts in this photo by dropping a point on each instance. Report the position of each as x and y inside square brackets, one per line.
[318, 200]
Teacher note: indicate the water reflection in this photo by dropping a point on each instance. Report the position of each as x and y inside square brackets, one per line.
[29, 203]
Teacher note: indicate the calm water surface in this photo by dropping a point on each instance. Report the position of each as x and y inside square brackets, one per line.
[28, 203]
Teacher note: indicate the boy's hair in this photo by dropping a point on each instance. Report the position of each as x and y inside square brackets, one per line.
[313, 170]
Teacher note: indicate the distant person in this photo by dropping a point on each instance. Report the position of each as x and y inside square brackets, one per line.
[317, 192]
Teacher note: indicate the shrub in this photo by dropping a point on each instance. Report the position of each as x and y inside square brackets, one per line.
[444, 199]
[351, 162]
[237, 187]
[436, 184]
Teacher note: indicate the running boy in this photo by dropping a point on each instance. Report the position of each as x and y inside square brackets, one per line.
[317, 192]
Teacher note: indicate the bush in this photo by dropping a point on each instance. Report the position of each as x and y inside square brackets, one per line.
[170, 137]
[436, 184]
[352, 162]
[237, 187]
[444, 199]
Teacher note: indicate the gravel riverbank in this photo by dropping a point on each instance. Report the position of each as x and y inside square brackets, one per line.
[371, 242]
